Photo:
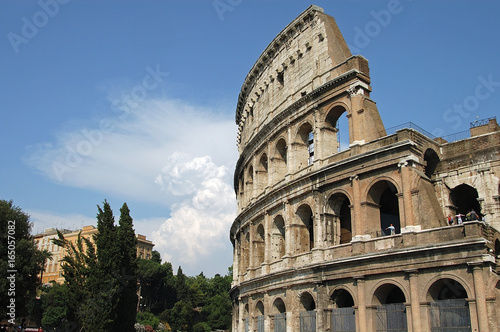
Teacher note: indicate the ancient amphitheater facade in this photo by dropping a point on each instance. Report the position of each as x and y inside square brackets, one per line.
[355, 237]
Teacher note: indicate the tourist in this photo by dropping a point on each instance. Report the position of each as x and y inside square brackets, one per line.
[450, 220]
[392, 229]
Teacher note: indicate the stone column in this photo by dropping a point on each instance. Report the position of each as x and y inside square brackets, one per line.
[356, 215]
[414, 300]
[241, 323]
[251, 231]
[289, 236]
[267, 242]
[360, 282]
[479, 290]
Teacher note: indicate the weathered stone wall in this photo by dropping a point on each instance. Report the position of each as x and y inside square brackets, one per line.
[313, 231]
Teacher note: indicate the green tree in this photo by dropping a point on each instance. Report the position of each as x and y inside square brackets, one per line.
[181, 287]
[156, 257]
[18, 253]
[127, 270]
[102, 278]
[55, 305]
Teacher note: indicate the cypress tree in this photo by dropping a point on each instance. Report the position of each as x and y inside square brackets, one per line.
[127, 273]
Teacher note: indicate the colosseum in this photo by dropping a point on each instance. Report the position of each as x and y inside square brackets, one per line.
[356, 235]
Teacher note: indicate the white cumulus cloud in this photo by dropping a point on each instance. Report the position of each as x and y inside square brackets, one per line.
[198, 227]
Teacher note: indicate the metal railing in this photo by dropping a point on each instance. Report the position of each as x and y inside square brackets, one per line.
[409, 125]
[482, 122]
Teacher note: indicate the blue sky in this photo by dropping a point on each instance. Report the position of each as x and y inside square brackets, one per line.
[134, 101]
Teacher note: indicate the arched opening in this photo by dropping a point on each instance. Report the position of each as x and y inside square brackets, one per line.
[335, 131]
[280, 316]
[241, 188]
[384, 195]
[280, 160]
[391, 309]
[278, 239]
[304, 146]
[343, 314]
[431, 162]
[249, 184]
[449, 307]
[341, 219]
[308, 313]
[259, 246]
[305, 232]
[259, 309]
[262, 172]
[464, 197]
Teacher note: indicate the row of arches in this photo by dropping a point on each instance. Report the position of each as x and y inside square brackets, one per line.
[299, 228]
[291, 152]
[310, 226]
[447, 307]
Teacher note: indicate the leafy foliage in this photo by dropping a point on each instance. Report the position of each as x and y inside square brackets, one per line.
[101, 274]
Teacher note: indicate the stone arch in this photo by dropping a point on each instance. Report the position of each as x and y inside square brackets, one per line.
[307, 301]
[249, 183]
[343, 314]
[341, 220]
[445, 289]
[454, 279]
[334, 129]
[448, 304]
[431, 160]
[241, 186]
[390, 314]
[280, 159]
[278, 238]
[342, 298]
[307, 315]
[279, 306]
[259, 308]
[304, 145]
[305, 229]
[383, 206]
[388, 292]
[261, 172]
[464, 198]
[259, 245]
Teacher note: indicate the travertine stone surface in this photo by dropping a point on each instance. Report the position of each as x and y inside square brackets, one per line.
[313, 230]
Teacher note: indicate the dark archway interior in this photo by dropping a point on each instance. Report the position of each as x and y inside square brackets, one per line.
[464, 197]
[447, 289]
[342, 299]
[432, 160]
[345, 222]
[389, 210]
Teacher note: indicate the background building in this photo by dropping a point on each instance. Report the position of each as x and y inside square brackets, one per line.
[313, 247]
[53, 269]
